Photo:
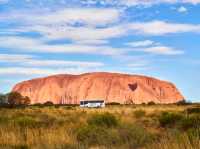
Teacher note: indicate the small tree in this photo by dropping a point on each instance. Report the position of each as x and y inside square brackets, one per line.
[15, 98]
[26, 100]
[3, 99]
[182, 102]
[48, 103]
[151, 103]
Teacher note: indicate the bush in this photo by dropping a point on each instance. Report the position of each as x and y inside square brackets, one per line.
[193, 110]
[93, 135]
[48, 103]
[128, 135]
[21, 147]
[68, 107]
[105, 120]
[4, 120]
[194, 133]
[182, 102]
[25, 121]
[112, 103]
[3, 99]
[151, 103]
[15, 99]
[169, 119]
[190, 122]
[135, 136]
[139, 113]
[39, 105]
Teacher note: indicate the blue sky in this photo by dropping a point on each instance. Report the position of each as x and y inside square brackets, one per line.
[158, 38]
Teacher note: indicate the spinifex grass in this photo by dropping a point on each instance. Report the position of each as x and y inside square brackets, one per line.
[114, 127]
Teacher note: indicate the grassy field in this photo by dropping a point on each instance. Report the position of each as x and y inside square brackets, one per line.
[114, 127]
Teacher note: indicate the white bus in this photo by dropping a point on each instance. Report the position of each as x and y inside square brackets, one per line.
[92, 103]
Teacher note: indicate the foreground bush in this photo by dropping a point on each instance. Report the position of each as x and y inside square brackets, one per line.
[117, 128]
[134, 136]
[126, 135]
[180, 121]
[94, 135]
[192, 121]
[176, 141]
[104, 120]
[25, 121]
[169, 119]
[139, 113]
[195, 110]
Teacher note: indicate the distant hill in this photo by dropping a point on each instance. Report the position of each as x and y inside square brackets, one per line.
[111, 87]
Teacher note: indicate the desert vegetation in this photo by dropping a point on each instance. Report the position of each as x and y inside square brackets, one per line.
[114, 127]
[13, 99]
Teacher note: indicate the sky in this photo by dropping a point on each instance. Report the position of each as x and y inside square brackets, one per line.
[157, 38]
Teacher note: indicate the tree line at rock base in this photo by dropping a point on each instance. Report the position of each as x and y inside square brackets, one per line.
[15, 99]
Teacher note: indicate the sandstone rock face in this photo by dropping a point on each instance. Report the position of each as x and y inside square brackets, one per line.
[111, 87]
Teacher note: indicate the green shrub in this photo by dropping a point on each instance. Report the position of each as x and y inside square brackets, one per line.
[192, 121]
[139, 113]
[193, 110]
[135, 136]
[169, 119]
[38, 105]
[25, 121]
[92, 135]
[4, 120]
[194, 133]
[105, 120]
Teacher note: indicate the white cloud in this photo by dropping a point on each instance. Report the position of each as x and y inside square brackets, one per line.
[191, 1]
[61, 24]
[14, 57]
[29, 60]
[25, 71]
[37, 45]
[92, 34]
[33, 45]
[162, 28]
[139, 2]
[140, 43]
[92, 42]
[130, 3]
[28, 65]
[162, 50]
[79, 33]
[62, 63]
[182, 9]
[154, 48]
[3, 1]
[70, 16]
